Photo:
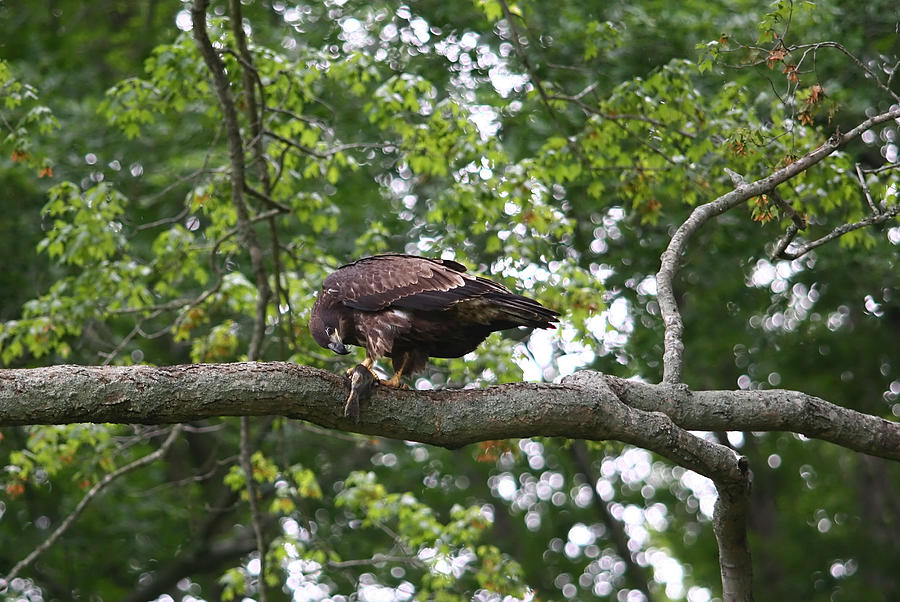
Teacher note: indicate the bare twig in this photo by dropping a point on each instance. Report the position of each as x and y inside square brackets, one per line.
[268, 200]
[785, 240]
[865, 189]
[187, 206]
[330, 151]
[892, 73]
[109, 357]
[88, 497]
[862, 66]
[841, 230]
[798, 222]
[885, 167]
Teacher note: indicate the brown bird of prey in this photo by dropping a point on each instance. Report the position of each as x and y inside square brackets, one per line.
[410, 308]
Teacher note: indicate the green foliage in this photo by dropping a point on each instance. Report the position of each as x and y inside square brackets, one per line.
[448, 550]
[175, 83]
[84, 228]
[21, 117]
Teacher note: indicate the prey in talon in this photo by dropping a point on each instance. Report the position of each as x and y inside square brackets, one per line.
[361, 383]
[410, 308]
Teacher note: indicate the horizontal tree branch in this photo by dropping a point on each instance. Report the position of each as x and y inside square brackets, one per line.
[765, 410]
[587, 405]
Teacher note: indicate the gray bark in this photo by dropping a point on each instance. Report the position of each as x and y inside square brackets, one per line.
[588, 405]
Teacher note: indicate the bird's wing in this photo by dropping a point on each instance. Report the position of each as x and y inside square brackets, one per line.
[406, 281]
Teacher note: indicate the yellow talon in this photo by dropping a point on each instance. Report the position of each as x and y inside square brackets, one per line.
[395, 381]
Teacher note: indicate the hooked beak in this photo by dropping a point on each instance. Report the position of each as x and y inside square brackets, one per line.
[336, 345]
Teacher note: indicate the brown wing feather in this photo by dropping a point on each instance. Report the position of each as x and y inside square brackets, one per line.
[406, 281]
[414, 283]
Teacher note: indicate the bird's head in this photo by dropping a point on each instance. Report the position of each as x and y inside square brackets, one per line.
[324, 327]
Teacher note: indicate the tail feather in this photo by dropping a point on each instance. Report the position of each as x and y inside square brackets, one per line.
[516, 310]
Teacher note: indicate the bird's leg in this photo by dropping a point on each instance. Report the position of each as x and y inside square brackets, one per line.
[395, 381]
[368, 363]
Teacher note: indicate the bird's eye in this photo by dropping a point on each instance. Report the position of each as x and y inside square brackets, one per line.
[329, 330]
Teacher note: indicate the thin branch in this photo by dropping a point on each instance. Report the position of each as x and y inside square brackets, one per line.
[88, 497]
[545, 98]
[236, 158]
[187, 304]
[841, 230]
[253, 498]
[523, 58]
[250, 77]
[293, 115]
[885, 167]
[374, 560]
[796, 218]
[209, 556]
[640, 140]
[865, 68]
[798, 222]
[892, 73]
[187, 207]
[265, 198]
[166, 220]
[576, 100]
[634, 572]
[328, 152]
[587, 90]
[865, 189]
[785, 240]
[108, 357]
[669, 261]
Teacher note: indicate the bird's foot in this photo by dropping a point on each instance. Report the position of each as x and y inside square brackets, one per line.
[395, 382]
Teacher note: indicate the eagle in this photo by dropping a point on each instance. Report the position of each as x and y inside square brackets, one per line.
[410, 308]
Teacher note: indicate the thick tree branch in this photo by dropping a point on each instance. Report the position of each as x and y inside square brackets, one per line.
[729, 473]
[730, 526]
[669, 261]
[765, 410]
[582, 407]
